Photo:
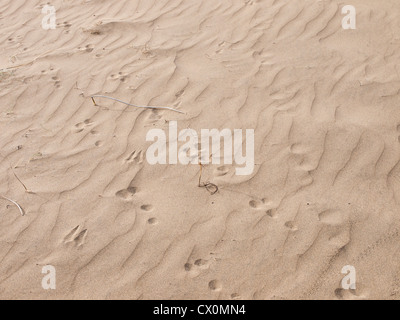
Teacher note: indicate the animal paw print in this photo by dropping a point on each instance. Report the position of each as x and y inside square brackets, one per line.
[180, 93]
[83, 125]
[263, 205]
[152, 221]
[56, 81]
[126, 194]
[197, 267]
[236, 296]
[351, 294]
[215, 286]
[76, 237]
[249, 2]
[154, 117]
[147, 52]
[66, 26]
[147, 207]
[221, 171]
[88, 48]
[135, 157]
[291, 225]
[120, 76]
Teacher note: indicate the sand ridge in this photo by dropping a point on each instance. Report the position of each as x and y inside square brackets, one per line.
[323, 102]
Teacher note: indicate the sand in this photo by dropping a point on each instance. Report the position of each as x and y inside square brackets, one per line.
[324, 106]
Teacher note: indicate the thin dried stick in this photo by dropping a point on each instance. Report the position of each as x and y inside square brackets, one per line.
[19, 180]
[16, 204]
[208, 185]
[132, 105]
[23, 184]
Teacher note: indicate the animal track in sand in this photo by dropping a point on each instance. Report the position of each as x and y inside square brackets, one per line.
[235, 296]
[263, 205]
[256, 204]
[197, 266]
[180, 94]
[126, 194]
[66, 24]
[342, 294]
[88, 48]
[120, 76]
[76, 237]
[215, 285]
[147, 207]
[202, 264]
[135, 157]
[154, 117]
[221, 171]
[152, 221]
[291, 225]
[83, 125]
[188, 267]
[56, 81]
[272, 213]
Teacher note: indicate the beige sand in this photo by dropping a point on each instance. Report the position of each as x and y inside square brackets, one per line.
[324, 103]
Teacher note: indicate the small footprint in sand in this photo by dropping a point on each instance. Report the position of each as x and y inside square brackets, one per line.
[263, 205]
[197, 266]
[152, 221]
[147, 207]
[76, 237]
[126, 194]
[83, 125]
[66, 25]
[202, 264]
[154, 117]
[342, 294]
[221, 171]
[215, 285]
[291, 225]
[89, 48]
[120, 76]
[135, 157]
[180, 94]
[255, 204]
[235, 296]
[188, 267]
[56, 82]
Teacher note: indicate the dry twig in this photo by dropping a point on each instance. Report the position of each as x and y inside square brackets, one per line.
[132, 105]
[210, 187]
[15, 203]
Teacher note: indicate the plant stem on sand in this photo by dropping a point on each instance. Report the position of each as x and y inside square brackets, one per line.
[15, 203]
[133, 105]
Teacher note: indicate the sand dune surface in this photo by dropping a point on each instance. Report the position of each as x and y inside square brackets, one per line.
[324, 106]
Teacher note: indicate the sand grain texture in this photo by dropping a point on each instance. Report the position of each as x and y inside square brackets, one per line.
[324, 103]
